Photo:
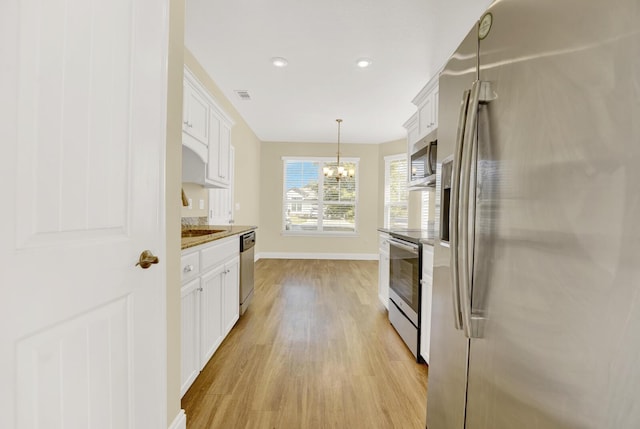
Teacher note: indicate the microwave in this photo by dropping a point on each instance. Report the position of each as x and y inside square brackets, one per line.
[423, 162]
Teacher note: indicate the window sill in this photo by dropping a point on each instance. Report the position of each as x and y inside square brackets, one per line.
[319, 234]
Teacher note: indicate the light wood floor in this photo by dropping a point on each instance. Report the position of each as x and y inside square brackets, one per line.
[314, 350]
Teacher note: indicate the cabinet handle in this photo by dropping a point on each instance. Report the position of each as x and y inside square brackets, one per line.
[200, 289]
[188, 268]
[190, 125]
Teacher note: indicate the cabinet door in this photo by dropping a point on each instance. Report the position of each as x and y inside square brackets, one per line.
[425, 117]
[231, 294]
[197, 115]
[190, 334]
[211, 333]
[425, 305]
[186, 90]
[434, 110]
[221, 199]
[383, 279]
[383, 269]
[213, 164]
[224, 153]
[218, 166]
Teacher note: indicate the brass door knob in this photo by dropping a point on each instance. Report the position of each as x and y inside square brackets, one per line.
[147, 259]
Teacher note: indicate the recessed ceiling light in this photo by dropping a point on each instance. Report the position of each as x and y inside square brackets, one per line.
[279, 61]
[363, 62]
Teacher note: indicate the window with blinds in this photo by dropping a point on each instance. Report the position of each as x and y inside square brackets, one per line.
[396, 195]
[313, 203]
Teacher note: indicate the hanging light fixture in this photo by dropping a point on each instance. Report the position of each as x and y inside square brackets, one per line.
[339, 172]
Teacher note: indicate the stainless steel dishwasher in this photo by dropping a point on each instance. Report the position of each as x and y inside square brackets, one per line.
[247, 242]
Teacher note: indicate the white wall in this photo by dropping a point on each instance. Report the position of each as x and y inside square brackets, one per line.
[275, 244]
[450, 21]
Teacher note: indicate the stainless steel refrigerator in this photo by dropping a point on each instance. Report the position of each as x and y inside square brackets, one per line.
[536, 289]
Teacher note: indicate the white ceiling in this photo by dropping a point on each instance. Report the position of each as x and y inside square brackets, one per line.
[234, 41]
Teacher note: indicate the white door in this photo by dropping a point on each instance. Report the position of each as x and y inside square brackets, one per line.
[82, 138]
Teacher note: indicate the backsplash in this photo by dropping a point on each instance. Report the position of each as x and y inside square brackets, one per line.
[194, 221]
[199, 197]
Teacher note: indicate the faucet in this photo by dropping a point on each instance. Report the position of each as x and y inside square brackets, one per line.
[185, 200]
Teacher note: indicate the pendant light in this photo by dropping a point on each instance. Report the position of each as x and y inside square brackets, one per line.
[339, 172]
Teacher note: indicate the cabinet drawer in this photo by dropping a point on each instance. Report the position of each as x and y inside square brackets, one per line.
[427, 259]
[219, 252]
[189, 265]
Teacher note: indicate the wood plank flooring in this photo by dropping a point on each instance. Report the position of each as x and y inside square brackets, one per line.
[314, 350]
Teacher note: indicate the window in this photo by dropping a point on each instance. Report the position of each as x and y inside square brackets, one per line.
[314, 204]
[396, 195]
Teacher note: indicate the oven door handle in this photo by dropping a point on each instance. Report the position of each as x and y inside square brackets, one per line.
[413, 248]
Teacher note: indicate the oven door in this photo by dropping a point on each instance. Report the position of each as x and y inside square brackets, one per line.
[404, 277]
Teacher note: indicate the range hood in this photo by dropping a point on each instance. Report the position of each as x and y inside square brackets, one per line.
[194, 168]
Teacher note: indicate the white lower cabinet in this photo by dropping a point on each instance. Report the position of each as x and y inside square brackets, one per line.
[383, 269]
[425, 305]
[190, 334]
[231, 295]
[211, 313]
[210, 302]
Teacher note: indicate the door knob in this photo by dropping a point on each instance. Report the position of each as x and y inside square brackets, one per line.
[147, 259]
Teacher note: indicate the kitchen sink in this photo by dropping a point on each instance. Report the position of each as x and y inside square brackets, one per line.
[199, 232]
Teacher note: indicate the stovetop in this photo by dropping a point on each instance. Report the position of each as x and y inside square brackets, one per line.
[417, 236]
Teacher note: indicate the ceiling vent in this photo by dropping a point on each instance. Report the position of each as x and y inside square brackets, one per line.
[243, 94]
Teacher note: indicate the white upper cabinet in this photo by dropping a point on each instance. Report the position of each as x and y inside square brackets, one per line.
[218, 166]
[221, 199]
[412, 129]
[425, 120]
[427, 103]
[206, 137]
[195, 114]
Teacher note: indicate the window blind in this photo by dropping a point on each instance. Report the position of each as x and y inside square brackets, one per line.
[396, 207]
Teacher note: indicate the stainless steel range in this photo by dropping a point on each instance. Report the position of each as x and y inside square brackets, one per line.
[405, 294]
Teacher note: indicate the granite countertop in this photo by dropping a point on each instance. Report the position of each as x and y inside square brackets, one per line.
[224, 231]
[417, 236]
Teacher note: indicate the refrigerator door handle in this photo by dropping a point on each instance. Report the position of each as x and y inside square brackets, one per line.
[453, 221]
[480, 93]
[466, 221]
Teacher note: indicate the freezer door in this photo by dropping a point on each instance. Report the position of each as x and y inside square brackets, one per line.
[448, 345]
[557, 255]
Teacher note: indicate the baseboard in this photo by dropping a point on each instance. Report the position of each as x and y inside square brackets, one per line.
[180, 422]
[297, 255]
